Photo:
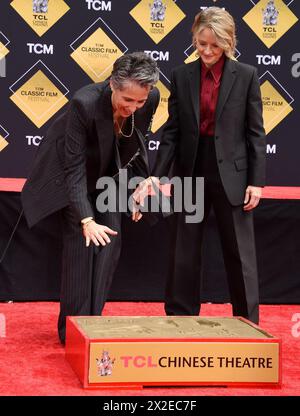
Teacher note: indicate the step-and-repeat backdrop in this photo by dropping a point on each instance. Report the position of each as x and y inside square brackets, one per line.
[50, 48]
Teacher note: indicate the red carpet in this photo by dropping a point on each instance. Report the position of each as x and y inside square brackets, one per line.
[273, 192]
[33, 363]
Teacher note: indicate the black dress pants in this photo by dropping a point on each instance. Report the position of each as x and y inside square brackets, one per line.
[238, 245]
[87, 272]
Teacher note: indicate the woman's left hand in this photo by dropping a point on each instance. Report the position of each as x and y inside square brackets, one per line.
[252, 197]
[97, 233]
[142, 191]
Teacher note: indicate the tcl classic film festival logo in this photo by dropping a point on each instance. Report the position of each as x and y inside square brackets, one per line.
[38, 95]
[270, 20]
[157, 18]
[276, 101]
[96, 49]
[40, 15]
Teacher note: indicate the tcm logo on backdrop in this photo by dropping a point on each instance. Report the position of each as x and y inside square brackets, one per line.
[159, 55]
[98, 5]
[276, 101]
[270, 20]
[40, 49]
[40, 15]
[38, 95]
[96, 49]
[34, 140]
[3, 136]
[268, 60]
[157, 18]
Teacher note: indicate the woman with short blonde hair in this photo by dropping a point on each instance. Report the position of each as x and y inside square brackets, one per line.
[221, 23]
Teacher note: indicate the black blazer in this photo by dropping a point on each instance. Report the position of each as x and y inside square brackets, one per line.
[79, 147]
[239, 133]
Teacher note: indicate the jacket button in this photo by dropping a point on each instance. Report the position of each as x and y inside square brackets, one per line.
[220, 160]
[217, 137]
[57, 181]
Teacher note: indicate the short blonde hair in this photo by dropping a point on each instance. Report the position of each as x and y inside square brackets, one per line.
[221, 23]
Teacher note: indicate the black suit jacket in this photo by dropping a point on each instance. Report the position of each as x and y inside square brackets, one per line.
[78, 148]
[239, 133]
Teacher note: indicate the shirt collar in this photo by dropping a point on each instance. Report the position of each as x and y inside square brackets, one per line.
[216, 70]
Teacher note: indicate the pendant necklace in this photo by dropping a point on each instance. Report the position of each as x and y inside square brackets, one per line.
[120, 127]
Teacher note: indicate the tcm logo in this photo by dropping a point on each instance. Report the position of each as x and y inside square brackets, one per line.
[159, 55]
[98, 5]
[40, 49]
[296, 66]
[296, 327]
[268, 60]
[34, 140]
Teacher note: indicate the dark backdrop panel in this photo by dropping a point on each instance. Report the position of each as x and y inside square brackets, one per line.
[31, 267]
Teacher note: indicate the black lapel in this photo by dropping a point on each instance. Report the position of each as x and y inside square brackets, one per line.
[228, 79]
[104, 126]
[195, 75]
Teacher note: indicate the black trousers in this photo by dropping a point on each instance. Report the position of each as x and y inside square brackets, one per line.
[87, 273]
[235, 226]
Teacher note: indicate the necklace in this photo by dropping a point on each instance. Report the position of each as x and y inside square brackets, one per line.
[120, 127]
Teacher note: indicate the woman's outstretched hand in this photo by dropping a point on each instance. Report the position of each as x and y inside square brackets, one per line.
[143, 190]
[97, 233]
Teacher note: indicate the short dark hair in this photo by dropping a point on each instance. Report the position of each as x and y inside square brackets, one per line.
[136, 67]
